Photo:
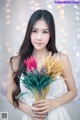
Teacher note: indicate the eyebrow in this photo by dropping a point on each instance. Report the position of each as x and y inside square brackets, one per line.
[42, 29]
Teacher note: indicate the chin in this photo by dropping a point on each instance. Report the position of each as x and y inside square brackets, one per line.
[39, 48]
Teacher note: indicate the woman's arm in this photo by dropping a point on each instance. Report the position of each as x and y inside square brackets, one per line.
[23, 107]
[48, 105]
[12, 86]
[70, 82]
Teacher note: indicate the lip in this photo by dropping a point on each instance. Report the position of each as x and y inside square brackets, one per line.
[39, 43]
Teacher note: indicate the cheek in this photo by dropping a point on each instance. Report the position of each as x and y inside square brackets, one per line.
[32, 37]
[46, 39]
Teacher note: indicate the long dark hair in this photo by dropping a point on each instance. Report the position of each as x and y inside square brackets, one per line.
[26, 48]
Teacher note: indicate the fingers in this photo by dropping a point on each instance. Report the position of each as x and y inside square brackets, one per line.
[43, 112]
[35, 114]
[40, 105]
[40, 101]
[40, 113]
[39, 109]
[36, 117]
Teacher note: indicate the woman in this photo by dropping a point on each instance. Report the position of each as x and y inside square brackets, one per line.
[40, 41]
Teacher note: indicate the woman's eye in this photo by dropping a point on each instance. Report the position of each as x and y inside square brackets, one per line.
[45, 31]
[34, 31]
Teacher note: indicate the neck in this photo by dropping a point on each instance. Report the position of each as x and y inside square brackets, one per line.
[40, 53]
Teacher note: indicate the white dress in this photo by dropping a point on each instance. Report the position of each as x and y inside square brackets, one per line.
[57, 88]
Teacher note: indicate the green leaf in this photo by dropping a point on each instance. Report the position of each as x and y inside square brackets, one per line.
[47, 83]
[45, 79]
[21, 94]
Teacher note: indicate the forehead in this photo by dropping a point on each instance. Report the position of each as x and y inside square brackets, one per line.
[41, 24]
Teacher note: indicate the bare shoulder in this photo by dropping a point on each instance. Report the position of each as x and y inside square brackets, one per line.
[63, 56]
[14, 62]
[16, 59]
[67, 64]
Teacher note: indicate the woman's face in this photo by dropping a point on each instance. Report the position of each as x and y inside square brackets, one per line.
[40, 35]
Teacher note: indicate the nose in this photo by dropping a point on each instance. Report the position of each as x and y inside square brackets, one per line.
[39, 36]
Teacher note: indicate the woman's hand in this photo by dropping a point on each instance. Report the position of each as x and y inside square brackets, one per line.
[33, 114]
[42, 107]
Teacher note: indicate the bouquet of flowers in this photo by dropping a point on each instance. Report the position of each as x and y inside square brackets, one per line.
[38, 81]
